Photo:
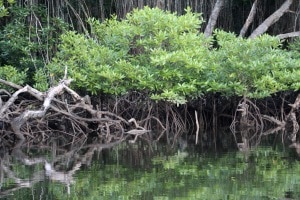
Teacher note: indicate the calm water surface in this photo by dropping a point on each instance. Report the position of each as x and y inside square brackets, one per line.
[144, 171]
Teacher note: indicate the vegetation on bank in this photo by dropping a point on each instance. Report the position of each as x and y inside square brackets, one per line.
[27, 46]
[152, 54]
[166, 56]
[154, 51]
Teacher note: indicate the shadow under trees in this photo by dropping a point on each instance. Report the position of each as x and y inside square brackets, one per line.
[31, 115]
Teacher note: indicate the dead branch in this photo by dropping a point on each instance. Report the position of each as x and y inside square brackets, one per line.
[272, 119]
[62, 106]
[288, 35]
[295, 106]
[136, 132]
[262, 28]
[17, 122]
[13, 85]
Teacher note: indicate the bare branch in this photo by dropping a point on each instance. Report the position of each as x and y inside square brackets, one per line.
[274, 120]
[13, 85]
[12, 100]
[262, 28]
[289, 35]
[28, 114]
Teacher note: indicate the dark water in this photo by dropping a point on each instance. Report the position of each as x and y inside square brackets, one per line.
[148, 171]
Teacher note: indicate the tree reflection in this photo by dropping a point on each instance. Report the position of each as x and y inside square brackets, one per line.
[91, 170]
[51, 161]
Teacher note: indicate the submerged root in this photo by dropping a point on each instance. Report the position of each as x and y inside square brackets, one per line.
[248, 117]
[164, 118]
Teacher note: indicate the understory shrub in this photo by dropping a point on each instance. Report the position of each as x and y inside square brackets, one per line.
[11, 74]
[28, 45]
[166, 56]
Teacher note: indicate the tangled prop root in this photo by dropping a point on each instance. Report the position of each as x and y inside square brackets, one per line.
[29, 112]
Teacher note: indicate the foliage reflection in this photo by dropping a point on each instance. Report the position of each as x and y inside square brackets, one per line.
[148, 171]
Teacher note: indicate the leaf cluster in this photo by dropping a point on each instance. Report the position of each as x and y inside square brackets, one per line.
[10, 73]
[4, 9]
[165, 55]
[254, 67]
[29, 44]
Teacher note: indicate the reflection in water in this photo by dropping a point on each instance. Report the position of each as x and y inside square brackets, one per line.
[62, 177]
[64, 165]
[122, 170]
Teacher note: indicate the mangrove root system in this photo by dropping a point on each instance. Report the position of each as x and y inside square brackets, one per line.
[29, 113]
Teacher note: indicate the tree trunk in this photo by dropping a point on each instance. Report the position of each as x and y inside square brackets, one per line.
[213, 18]
[271, 19]
[249, 19]
[160, 4]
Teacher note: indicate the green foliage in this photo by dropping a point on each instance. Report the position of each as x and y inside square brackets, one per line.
[166, 56]
[3, 9]
[294, 46]
[150, 50]
[29, 44]
[254, 68]
[41, 80]
[11, 74]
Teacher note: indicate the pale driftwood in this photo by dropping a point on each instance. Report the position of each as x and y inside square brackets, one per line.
[288, 123]
[289, 35]
[272, 130]
[249, 19]
[13, 85]
[17, 116]
[17, 122]
[295, 106]
[37, 94]
[262, 28]
[290, 120]
[213, 18]
[136, 132]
